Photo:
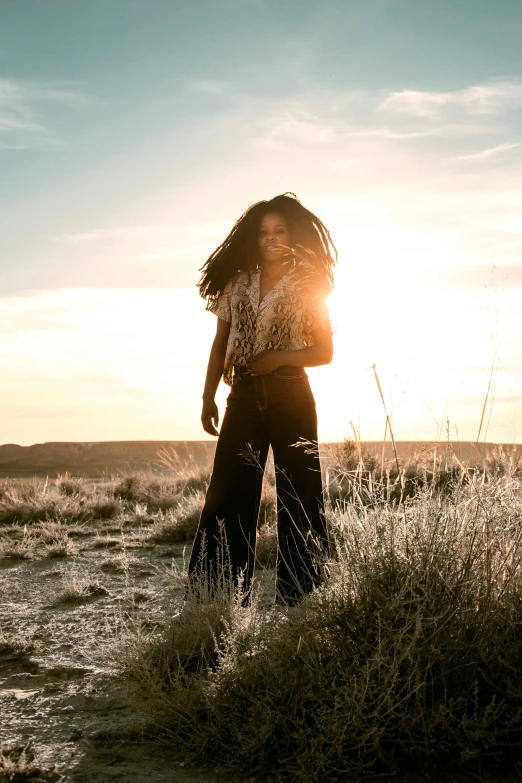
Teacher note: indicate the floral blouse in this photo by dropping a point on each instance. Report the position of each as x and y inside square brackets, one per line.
[282, 321]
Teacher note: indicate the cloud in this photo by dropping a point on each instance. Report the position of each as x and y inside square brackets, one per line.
[4, 146]
[21, 108]
[15, 114]
[123, 257]
[491, 151]
[478, 99]
[152, 236]
[299, 127]
[327, 118]
[212, 86]
[388, 133]
[65, 97]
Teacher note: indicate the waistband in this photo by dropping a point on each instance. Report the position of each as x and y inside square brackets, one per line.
[240, 370]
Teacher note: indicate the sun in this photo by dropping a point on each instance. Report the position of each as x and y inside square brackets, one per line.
[391, 308]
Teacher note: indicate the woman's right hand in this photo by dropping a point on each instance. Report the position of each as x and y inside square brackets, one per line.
[210, 417]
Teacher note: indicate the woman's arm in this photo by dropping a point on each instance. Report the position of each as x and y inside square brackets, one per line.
[321, 352]
[216, 362]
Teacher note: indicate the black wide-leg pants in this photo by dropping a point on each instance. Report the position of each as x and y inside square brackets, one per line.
[275, 410]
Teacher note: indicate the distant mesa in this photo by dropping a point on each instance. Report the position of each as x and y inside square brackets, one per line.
[101, 458]
[115, 458]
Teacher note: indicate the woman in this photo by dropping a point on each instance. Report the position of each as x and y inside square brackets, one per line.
[267, 283]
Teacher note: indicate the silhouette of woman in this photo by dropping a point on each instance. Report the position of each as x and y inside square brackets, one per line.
[267, 283]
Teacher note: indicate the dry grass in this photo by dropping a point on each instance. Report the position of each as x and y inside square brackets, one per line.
[39, 500]
[39, 517]
[72, 485]
[266, 546]
[15, 645]
[406, 661]
[20, 545]
[180, 522]
[106, 542]
[119, 563]
[49, 538]
[18, 763]
[77, 588]
[161, 493]
[61, 549]
[55, 538]
[355, 474]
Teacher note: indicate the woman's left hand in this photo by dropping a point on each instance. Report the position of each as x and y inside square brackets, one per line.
[265, 362]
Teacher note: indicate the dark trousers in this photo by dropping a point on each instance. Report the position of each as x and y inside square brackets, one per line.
[278, 410]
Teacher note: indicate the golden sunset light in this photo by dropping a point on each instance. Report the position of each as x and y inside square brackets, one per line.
[417, 177]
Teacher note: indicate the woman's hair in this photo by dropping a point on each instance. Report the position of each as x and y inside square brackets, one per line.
[240, 252]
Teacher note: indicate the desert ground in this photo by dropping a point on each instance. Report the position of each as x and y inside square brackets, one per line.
[92, 572]
[65, 590]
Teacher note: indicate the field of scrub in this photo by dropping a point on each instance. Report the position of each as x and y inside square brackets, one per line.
[405, 664]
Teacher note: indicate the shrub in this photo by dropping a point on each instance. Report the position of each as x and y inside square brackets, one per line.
[119, 563]
[405, 662]
[38, 501]
[15, 645]
[13, 510]
[354, 475]
[71, 486]
[18, 763]
[195, 484]
[156, 493]
[129, 488]
[180, 523]
[18, 547]
[161, 493]
[76, 588]
[503, 461]
[61, 548]
[103, 509]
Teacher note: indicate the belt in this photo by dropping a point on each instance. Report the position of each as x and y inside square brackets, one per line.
[238, 371]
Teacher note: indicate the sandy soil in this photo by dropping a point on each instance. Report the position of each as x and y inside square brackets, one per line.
[85, 722]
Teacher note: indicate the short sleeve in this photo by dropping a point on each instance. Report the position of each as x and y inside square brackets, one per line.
[318, 315]
[223, 308]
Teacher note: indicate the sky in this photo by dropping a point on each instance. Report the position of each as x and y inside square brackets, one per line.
[133, 133]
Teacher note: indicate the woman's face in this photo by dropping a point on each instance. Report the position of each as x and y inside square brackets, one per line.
[273, 235]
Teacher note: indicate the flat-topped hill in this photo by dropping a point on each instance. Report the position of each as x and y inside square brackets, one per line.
[99, 458]
[110, 458]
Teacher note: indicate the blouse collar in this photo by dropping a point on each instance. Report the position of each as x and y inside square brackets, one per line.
[270, 295]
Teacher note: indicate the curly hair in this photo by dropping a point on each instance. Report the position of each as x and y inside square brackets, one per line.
[239, 252]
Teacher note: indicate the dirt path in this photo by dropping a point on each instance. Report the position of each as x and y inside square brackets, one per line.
[83, 722]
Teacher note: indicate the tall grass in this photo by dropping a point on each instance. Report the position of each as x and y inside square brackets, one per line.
[406, 661]
[356, 474]
[160, 493]
[38, 500]
[72, 500]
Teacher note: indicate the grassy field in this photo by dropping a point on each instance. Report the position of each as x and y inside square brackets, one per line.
[405, 664]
